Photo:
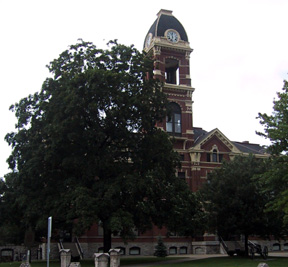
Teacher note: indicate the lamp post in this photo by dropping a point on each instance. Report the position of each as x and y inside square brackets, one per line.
[48, 238]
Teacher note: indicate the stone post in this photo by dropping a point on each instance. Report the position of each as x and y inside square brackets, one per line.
[65, 255]
[114, 257]
[101, 259]
[263, 264]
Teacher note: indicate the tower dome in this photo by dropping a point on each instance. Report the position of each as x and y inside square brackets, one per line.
[166, 25]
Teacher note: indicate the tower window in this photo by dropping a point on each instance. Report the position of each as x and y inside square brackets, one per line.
[173, 120]
[171, 71]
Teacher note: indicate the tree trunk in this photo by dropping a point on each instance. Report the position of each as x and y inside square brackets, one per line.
[107, 240]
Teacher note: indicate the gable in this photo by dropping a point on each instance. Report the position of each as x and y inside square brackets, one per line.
[214, 142]
[215, 138]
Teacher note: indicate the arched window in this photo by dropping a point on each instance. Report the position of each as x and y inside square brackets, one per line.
[214, 156]
[134, 251]
[172, 250]
[183, 250]
[276, 247]
[173, 120]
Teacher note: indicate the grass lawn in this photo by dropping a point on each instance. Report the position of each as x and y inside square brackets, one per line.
[131, 261]
[230, 262]
[215, 262]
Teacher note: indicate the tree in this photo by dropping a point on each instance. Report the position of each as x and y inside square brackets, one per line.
[86, 148]
[161, 249]
[235, 202]
[275, 180]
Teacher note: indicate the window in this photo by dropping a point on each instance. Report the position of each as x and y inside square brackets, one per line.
[220, 157]
[181, 175]
[181, 157]
[7, 254]
[134, 251]
[183, 250]
[172, 250]
[171, 70]
[214, 156]
[208, 157]
[173, 121]
[276, 247]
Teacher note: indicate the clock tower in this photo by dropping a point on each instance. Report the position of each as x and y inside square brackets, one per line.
[167, 43]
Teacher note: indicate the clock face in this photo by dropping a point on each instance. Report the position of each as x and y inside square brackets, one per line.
[148, 40]
[172, 36]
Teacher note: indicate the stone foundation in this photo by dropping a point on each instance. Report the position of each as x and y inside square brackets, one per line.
[19, 252]
[206, 247]
[139, 248]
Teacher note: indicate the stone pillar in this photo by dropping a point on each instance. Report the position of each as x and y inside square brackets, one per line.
[114, 257]
[101, 259]
[65, 255]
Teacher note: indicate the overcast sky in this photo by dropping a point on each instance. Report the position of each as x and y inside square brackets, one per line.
[239, 62]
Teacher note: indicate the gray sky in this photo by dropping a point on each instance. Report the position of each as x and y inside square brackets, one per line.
[239, 62]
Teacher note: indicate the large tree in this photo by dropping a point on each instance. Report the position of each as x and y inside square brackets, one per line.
[86, 148]
[235, 200]
[275, 180]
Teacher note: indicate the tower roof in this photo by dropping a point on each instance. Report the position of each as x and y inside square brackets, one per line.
[165, 21]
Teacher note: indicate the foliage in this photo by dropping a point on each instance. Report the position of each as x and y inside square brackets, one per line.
[236, 202]
[161, 249]
[276, 125]
[86, 148]
[10, 231]
[275, 180]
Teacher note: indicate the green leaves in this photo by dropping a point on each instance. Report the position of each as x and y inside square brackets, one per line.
[276, 125]
[275, 181]
[235, 200]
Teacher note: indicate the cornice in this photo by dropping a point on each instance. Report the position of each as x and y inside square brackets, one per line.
[164, 43]
[181, 87]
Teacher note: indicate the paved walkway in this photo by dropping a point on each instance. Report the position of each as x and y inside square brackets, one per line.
[191, 257]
